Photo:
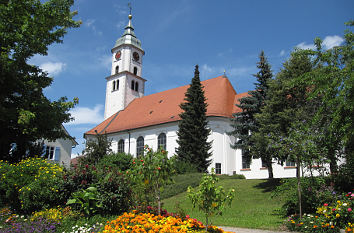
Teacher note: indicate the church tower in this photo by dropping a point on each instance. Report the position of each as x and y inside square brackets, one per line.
[125, 82]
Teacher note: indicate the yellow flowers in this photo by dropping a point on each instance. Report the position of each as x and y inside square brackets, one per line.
[53, 214]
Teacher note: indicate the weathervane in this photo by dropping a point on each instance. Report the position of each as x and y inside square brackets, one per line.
[130, 7]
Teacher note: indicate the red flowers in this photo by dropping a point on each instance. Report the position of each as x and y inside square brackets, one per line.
[325, 204]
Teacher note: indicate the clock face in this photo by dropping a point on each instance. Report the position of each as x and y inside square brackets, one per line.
[136, 56]
[118, 54]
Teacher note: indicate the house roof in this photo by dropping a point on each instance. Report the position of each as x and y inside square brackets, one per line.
[163, 107]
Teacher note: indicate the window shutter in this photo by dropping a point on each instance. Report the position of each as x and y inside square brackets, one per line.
[57, 154]
[44, 150]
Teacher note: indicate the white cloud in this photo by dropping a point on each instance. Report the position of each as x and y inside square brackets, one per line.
[282, 53]
[85, 115]
[121, 10]
[90, 23]
[303, 45]
[53, 68]
[120, 25]
[105, 61]
[332, 41]
[327, 43]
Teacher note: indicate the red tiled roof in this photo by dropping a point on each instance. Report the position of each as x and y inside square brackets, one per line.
[163, 107]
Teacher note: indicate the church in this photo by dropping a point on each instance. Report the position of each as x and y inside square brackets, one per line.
[132, 120]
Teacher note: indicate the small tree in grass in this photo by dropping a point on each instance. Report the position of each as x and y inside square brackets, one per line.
[151, 172]
[209, 198]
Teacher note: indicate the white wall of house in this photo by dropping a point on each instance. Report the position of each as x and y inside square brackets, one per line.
[62, 150]
[230, 159]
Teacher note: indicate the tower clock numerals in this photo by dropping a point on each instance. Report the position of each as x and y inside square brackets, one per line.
[118, 55]
[136, 56]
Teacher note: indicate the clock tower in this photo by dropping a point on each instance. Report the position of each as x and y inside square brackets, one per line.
[125, 82]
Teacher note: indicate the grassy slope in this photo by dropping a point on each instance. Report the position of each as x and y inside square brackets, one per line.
[252, 208]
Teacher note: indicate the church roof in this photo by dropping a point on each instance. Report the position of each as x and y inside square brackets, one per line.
[163, 107]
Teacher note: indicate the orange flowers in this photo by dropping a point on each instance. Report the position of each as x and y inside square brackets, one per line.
[134, 222]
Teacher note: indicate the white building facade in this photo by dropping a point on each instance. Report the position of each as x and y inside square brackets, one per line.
[133, 120]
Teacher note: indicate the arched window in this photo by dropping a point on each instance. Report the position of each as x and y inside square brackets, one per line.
[114, 85]
[140, 146]
[135, 70]
[161, 141]
[117, 85]
[136, 86]
[117, 69]
[121, 146]
[132, 85]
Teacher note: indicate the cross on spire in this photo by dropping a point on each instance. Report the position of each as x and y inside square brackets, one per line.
[130, 7]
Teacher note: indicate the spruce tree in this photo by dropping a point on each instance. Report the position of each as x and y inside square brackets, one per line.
[193, 131]
[244, 124]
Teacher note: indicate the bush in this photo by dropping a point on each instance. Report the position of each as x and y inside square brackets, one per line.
[344, 179]
[314, 191]
[114, 190]
[118, 161]
[182, 167]
[114, 193]
[329, 217]
[30, 185]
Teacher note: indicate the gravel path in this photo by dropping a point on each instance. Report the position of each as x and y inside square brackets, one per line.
[246, 230]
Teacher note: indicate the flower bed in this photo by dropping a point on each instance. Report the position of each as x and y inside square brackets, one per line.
[328, 218]
[147, 222]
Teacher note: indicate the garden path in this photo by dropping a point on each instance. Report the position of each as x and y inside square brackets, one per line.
[246, 230]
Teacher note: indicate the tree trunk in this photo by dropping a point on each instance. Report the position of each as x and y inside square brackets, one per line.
[270, 170]
[298, 184]
[207, 223]
[158, 199]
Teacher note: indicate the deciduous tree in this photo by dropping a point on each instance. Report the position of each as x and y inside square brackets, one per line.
[27, 28]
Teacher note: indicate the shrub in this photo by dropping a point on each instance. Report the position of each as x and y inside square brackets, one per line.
[329, 217]
[25, 186]
[117, 161]
[114, 193]
[114, 190]
[314, 191]
[183, 167]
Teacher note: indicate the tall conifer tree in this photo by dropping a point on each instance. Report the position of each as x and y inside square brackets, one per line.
[244, 123]
[193, 132]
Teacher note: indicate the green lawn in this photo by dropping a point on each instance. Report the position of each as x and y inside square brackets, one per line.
[252, 207]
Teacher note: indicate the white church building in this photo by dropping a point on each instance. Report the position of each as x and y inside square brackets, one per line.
[133, 120]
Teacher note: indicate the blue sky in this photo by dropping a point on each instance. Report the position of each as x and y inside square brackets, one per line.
[177, 35]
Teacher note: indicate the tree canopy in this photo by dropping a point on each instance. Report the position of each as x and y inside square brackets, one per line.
[27, 28]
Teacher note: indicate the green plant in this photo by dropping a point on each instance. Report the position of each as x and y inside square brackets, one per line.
[209, 198]
[114, 193]
[329, 217]
[120, 161]
[182, 167]
[30, 185]
[86, 200]
[150, 173]
[315, 190]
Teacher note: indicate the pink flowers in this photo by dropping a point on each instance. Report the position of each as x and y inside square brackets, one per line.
[325, 204]
[349, 209]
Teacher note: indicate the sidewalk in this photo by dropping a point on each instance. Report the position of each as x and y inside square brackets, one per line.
[246, 230]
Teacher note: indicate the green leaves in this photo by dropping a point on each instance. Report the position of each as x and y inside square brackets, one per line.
[210, 198]
[193, 131]
[87, 200]
[27, 28]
